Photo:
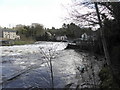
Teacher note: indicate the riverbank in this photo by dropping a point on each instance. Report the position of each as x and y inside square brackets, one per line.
[16, 42]
[107, 81]
[20, 42]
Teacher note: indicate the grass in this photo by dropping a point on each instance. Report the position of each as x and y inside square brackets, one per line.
[21, 42]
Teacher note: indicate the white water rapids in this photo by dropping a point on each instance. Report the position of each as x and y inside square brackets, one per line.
[26, 66]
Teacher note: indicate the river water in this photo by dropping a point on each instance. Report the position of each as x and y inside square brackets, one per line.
[27, 66]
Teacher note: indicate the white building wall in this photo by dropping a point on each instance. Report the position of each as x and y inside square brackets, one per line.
[12, 35]
[9, 35]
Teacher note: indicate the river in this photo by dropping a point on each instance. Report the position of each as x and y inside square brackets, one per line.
[27, 66]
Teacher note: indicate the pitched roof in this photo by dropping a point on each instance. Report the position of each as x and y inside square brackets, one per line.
[7, 30]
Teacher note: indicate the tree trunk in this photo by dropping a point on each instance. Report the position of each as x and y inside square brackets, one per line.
[103, 38]
[105, 47]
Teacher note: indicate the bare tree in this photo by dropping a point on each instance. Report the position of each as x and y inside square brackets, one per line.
[96, 14]
[49, 55]
[84, 13]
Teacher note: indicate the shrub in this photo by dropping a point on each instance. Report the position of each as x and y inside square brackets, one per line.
[107, 80]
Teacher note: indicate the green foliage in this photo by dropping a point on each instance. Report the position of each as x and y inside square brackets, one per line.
[70, 30]
[107, 81]
[34, 31]
[38, 32]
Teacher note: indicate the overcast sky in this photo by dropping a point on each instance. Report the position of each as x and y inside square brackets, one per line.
[47, 12]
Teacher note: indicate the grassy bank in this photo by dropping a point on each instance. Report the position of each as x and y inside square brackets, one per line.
[21, 42]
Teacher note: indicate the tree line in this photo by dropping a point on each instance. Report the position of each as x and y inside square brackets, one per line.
[37, 31]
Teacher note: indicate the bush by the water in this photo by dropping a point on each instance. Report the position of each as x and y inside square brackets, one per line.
[107, 80]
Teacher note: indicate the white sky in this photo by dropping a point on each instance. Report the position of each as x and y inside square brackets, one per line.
[47, 12]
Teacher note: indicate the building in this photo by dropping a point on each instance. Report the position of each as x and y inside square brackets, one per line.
[87, 37]
[61, 38]
[8, 34]
[84, 36]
